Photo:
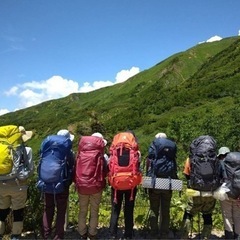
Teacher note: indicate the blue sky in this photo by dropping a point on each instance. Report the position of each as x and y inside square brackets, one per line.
[51, 48]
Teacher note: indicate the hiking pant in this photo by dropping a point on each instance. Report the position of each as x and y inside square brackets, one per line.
[13, 194]
[205, 205]
[231, 215]
[51, 201]
[128, 211]
[199, 204]
[159, 217]
[92, 200]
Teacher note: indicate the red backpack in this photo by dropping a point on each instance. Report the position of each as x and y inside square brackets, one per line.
[90, 173]
[124, 172]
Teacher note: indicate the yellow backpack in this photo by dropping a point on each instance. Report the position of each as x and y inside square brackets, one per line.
[10, 142]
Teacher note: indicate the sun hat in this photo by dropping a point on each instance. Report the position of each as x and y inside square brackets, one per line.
[161, 135]
[97, 134]
[26, 135]
[66, 133]
[223, 151]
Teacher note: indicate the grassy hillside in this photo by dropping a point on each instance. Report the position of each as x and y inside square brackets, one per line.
[183, 95]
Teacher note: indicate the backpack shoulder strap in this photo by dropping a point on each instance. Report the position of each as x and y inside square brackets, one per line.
[225, 176]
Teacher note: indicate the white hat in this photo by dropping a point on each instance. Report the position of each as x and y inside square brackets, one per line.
[160, 135]
[26, 135]
[223, 151]
[66, 133]
[97, 134]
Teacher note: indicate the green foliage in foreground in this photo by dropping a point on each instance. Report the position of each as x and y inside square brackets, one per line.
[33, 214]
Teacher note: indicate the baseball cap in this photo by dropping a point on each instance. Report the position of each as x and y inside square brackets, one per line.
[223, 151]
[66, 133]
[97, 134]
[161, 135]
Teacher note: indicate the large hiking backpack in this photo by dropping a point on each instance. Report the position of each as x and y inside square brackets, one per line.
[124, 172]
[54, 169]
[231, 168]
[204, 168]
[162, 157]
[90, 167]
[13, 156]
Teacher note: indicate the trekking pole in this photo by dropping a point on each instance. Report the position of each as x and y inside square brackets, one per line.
[199, 231]
[191, 228]
[66, 216]
[160, 214]
[146, 223]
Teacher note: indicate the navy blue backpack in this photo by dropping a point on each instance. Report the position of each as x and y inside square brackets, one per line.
[162, 157]
[54, 171]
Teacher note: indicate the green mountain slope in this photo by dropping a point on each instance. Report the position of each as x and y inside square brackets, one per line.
[190, 93]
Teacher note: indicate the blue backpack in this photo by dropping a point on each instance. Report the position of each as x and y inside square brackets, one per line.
[55, 170]
[162, 156]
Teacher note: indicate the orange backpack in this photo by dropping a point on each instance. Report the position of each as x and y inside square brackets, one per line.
[124, 165]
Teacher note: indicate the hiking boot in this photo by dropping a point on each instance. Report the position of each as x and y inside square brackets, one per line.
[84, 236]
[167, 235]
[91, 237]
[15, 236]
[2, 228]
[206, 232]
[127, 237]
[112, 237]
[164, 235]
[229, 235]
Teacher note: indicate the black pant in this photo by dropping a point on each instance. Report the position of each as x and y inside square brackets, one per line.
[128, 211]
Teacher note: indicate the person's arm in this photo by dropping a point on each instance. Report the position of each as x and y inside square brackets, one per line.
[150, 158]
[151, 152]
[71, 167]
[187, 170]
[105, 164]
[30, 162]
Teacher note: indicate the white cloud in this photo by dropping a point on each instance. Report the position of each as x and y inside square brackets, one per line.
[12, 91]
[34, 92]
[238, 32]
[87, 87]
[212, 39]
[4, 111]
[123, 75]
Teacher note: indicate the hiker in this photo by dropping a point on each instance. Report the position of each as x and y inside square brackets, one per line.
[200, 168]
[123, 177]
[90, 181]
[55, 175]
[14, 181]
[161, 163]
[230, 207]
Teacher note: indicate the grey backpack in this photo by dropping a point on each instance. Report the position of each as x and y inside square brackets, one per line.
[204, 175]
[231, 167]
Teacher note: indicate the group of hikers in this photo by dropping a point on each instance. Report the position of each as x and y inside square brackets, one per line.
[212, 174]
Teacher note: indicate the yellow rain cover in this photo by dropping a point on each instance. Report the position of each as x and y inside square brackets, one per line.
[10, 138]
